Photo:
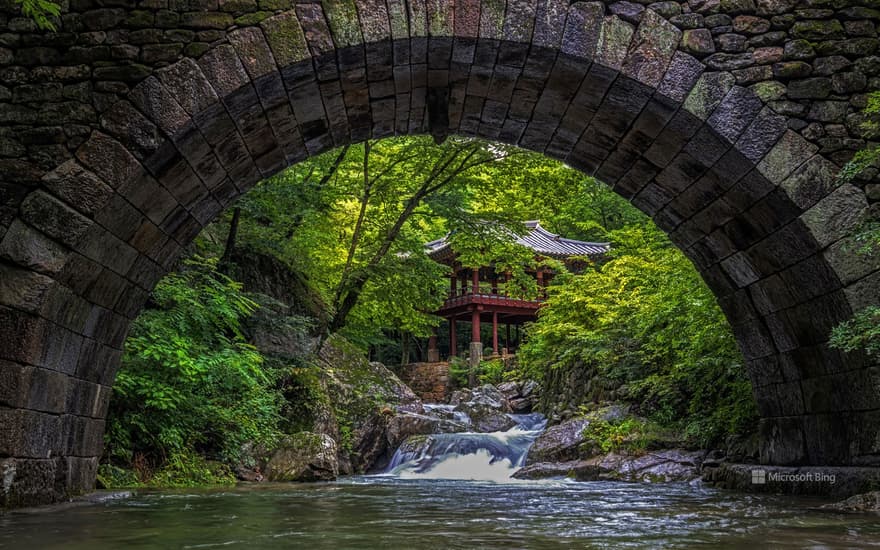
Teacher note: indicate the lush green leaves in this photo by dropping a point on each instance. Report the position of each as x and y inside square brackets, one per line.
[646, 323]
[41, 12]
[188, 379]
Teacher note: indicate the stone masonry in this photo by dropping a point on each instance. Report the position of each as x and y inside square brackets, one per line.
[136, 123]
[430, 381]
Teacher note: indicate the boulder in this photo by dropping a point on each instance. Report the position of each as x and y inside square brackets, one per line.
[521, 405]
[865, 502]
[660, 466]
[580, 470]
[509, 389]
[405, 424]
[558, 443]
[486, 420]
[304, 456]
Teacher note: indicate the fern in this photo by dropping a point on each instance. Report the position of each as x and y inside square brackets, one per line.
[40, 12]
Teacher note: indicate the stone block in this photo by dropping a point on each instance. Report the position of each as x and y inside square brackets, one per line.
[30, 248]
[836, 215]
[519, 22]
[78, 187]
[125, 123]
[759, 137]
[29, 434]
[709, 90]
[754, 340]
[24, 387]
[24, 289]
[548, 32]
[785, 247]
[789, 153]
[735, 112]
[614, 42]
[782, 441]
[54, 218]
[655, 43]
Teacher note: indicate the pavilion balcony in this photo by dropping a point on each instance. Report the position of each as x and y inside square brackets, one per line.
[486, 295]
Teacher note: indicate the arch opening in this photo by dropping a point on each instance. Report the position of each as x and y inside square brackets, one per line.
[749, 201]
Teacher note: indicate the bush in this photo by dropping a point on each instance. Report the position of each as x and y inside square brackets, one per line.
[189, 383]
[644, 328]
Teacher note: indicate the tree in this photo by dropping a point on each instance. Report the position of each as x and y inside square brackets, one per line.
[649, 331]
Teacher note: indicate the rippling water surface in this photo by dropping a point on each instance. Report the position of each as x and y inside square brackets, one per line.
[392, 514]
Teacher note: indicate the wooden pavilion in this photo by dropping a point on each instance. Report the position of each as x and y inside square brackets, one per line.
[481, 295]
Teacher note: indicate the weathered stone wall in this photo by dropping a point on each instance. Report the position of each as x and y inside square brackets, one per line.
[134, 125]
[430, 381]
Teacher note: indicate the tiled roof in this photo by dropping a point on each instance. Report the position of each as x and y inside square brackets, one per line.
[538, 239]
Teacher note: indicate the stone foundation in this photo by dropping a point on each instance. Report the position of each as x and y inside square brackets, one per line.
[430, 381]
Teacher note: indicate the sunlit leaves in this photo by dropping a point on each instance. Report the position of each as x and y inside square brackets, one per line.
[646, 323]
[188, 377]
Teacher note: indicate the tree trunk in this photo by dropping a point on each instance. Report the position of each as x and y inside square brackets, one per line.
[229, 249]
[404, 348]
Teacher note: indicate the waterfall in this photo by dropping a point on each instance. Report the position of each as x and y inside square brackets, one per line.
[494, 456]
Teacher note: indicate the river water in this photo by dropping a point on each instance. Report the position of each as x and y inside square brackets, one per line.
[443, 491]
[394, 513]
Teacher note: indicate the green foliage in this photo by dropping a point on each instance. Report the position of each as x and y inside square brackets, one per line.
[871, 155]
[615, 435]
[860, 332]
[189, 382]
[40, 11]
[645, 323]
[492, 371]
[180, 470]
[459, 370]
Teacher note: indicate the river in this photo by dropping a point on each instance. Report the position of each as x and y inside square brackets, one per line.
[394, 513]
[442, 491]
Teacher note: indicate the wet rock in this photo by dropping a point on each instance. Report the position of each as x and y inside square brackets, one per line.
[559, 443]
[304, 456]
[529, 387]
[581, 470]
[659, 466]
[403, 425]
[866, 502]
[485, 418]
[509, 389]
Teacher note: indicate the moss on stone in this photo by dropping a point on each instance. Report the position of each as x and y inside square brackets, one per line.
[817, 29]
[286, 38]
[492, 19]
[249, 19]
[344, 24]
[769, 90]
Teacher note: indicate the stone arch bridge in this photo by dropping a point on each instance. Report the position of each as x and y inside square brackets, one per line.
[136, 123]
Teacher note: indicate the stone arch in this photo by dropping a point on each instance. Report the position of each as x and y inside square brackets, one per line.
[615, 94]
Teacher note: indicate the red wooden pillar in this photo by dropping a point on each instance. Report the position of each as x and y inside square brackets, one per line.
[495, 333]
[453, 338]
[476, 280]
[453, 285]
